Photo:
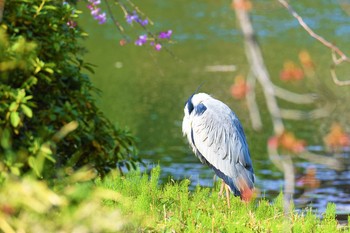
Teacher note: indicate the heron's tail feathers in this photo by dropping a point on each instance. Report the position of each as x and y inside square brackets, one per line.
[247, 192]
[245, 183]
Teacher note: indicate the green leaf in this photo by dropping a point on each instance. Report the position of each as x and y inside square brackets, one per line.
[14, 118]
[49, 70]
[27, 111]
[46, 150]
[89, 68]
[50, 7]
[28, 97]
[37, 69]
[21, 94]
[33, 164]
[15, 170]
[13, 106]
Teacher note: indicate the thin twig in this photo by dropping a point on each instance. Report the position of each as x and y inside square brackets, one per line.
[310, 31]
[335, 50]
[137, 9]
[115, 21]
[252, 105]
[321, 112]
[330, 162]
[40, 8]
[294, 97]
[336, 80]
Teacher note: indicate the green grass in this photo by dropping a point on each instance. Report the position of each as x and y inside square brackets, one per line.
[137, 202]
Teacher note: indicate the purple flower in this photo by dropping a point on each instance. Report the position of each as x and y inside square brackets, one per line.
[158, 47]
[71, 24]
[141, 40]
[95, 12]
[143, 22]
[165, 35]
[95, 2]
[131, 17]
[101, 18]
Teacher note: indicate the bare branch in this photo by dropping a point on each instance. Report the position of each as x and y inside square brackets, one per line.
[289, 183]
[258, 67]
[325, 160]
[221, 68]
[310, 31]
[335, 50]
[252, 105]
[294, 97]
[336, 80]
[322, 112]
[285, 165]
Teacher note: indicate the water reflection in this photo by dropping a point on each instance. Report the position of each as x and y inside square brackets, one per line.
[147, 92]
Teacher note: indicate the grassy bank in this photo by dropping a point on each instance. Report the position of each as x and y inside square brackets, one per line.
[137, 203]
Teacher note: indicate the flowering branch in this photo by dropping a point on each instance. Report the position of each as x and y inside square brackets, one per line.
[132, 15]
[115, 21]
[96, 11]
[335, 50]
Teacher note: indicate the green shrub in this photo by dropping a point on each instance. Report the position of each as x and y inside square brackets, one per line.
[30, 205]
[47, 109]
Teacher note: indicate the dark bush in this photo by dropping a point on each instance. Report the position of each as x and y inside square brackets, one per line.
[48, 115]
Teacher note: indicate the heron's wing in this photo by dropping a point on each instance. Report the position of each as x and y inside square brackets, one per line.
[218, 136]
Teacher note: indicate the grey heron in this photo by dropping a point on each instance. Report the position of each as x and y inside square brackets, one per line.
[217, 138]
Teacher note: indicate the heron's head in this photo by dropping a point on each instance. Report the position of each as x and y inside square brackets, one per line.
[195, 103]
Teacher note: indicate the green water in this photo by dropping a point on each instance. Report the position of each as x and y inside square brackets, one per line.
[145, 90]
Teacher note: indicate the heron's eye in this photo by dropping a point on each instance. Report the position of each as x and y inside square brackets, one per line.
[200, 109]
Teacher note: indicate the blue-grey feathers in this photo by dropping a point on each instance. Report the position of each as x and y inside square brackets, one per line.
[218, 140]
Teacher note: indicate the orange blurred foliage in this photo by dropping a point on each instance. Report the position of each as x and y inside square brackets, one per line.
[239, 88]
[287, 141]
[242, 5]
[291, 72]
[305, 59]
[122, 42]
[336, 138]
[307, 63]
[309, 180]
[273, 142]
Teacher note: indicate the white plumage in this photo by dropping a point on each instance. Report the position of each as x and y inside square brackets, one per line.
[217, 139]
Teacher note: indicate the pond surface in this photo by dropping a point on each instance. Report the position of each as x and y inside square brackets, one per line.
[145, 90]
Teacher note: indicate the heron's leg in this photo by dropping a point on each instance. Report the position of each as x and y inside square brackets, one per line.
[222, 187]
[227, 195]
